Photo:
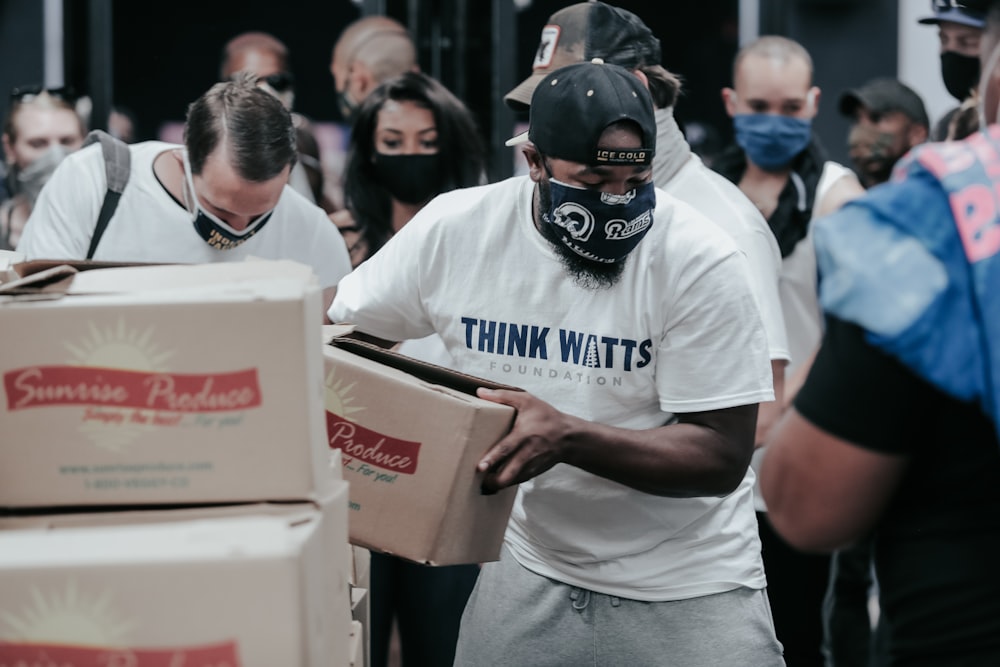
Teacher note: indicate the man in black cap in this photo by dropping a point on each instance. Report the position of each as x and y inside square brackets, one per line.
[586, 30]
[626, 318]
[960, 27]
[887, 119]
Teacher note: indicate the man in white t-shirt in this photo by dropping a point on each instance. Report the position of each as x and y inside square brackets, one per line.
[779, 164]
[221, 197]
[589, 30]
[626, 317]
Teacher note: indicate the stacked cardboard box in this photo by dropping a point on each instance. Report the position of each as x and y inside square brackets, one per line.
[165, 472]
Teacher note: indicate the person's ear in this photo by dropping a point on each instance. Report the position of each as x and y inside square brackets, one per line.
[360, 81]
[729, 99]
[812, 99]
[536, 170]
[916, 135]
[642, 77]
[8, 150]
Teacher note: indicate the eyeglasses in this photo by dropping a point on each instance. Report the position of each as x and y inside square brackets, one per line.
[279, 81]
[26, 93]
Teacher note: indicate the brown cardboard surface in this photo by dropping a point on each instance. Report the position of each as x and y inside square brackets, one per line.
[265, 583]
[410, 443]
[164, 385]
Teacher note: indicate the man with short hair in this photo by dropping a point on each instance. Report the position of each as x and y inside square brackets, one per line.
[888, 118]
[960, 28]
[221, 197]
[587, 30]
[778, 163]
[369, 51]
[895, 431]
[627, 319]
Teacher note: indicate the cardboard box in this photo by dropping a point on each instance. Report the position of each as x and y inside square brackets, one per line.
[411, 434]
[162, 385]
[261, 584]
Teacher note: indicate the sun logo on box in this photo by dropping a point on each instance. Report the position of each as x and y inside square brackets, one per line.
[69, 617]
[117, 346]
[337, 398]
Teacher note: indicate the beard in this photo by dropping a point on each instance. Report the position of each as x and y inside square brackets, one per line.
[586, 273]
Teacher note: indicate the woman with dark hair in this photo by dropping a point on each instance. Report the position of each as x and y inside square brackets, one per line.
[412, 139]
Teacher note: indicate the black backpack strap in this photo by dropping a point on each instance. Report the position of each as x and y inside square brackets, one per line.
[117, 167]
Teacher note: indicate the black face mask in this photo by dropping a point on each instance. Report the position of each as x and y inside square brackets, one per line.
[960, 74]
[411, 179]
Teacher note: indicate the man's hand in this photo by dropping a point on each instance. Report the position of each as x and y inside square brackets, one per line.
[534, 444]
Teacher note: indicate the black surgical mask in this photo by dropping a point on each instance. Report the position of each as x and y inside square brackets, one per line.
[215, 232]
[411, 179]
[960, 74]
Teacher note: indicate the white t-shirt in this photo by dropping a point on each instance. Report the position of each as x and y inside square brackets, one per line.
[800, 299]
[799, 289]
[149, 225]
[722, 202]
[680, 332]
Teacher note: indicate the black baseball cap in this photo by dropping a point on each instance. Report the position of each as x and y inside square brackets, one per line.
[582, 32]
[882, 95]
[572, 106]
[972, 14]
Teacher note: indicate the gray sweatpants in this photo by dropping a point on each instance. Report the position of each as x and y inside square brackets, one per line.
[516, 618]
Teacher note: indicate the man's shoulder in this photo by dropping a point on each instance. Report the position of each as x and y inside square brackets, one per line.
[681, 227]
[713, 194]
[837, 186]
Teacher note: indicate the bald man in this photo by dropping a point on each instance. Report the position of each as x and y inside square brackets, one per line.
[777, 162]
[369, 51]
[267, 57]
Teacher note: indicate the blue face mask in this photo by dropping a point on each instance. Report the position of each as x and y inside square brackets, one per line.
[771, 141]
[600, 226]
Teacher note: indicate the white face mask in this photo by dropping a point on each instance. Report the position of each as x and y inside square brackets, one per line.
[216, 232]
[984, 84]
[29, 181]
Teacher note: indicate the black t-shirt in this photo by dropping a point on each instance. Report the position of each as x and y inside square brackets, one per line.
[937, 548]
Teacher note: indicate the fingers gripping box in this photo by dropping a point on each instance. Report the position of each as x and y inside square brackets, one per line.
[253, 585]
[163, 384]
[411, 434]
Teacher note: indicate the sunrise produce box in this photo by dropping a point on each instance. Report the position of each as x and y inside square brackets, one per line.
[174, 384]
[251, 585]
[411, 434]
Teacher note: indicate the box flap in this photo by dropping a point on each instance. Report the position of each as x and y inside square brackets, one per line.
[80, 277]
[423, 370]
[31, 267]
[53, 279]
[166, 276]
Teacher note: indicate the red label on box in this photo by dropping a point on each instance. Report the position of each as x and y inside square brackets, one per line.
[41, 386]
[371, 447]
[61, 655]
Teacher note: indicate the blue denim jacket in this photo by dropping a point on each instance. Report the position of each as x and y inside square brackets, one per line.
[916, 263]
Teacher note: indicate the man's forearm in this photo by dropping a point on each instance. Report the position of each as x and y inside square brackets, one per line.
[686, 459]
